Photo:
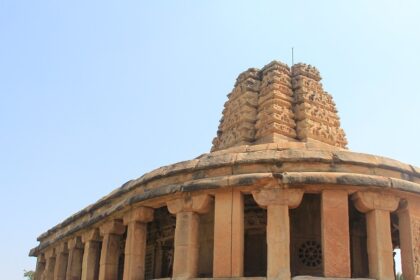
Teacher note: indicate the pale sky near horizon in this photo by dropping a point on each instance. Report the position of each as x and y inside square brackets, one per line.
[95, 93]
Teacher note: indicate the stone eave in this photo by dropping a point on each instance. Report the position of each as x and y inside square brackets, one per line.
[406, 178]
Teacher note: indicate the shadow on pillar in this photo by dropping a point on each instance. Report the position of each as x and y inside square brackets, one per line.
[305, 237]
[121, 257]
[206, 241]
[395, 236]
[255, 247]
[160, 245]
[358, 243]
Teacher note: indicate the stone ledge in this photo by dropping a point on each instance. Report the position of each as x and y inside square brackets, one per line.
[258, 154]
[257, 179]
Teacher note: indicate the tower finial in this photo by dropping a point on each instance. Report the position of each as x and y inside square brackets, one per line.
[293, 62]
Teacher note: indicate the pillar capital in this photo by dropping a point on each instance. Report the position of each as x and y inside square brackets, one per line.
[368, 201]
[75, 243]
[61, 248]
[91, 235]
[112, 227]
[50, 253]
[140, 214]
[190, 203]
[41, 258]
[277, 196]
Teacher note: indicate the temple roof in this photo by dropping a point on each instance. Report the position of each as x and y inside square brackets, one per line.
[279, 105]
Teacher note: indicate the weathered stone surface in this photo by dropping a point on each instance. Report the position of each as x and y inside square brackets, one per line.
[377, 207]
[335, 233]
[279, 137]
[409, 222]
[327, 278]
[228, 234]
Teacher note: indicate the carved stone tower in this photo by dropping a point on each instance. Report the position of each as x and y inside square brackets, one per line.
[279, 105]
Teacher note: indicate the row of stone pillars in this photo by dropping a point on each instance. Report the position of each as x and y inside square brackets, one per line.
[78, 257]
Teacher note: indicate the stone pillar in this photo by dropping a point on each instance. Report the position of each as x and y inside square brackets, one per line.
[335, 233]
[278, 201]
[111, 232]
[91, 253]
[409, 223]
[40, 267]
[49, 266]
[377, 207]
[228, 256]
[135, 244]
[61, 258]
[74, 265]
[187, 209]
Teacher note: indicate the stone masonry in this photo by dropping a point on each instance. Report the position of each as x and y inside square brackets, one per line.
[279, 105]
[278, 197]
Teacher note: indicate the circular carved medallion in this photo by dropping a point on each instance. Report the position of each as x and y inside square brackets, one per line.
[310, 253]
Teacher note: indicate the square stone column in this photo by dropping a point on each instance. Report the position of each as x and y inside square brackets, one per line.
[377, 207]
[49, 265]
[108, 265]
[40, 267]
[91, 254]
[409, 223]
[75, 259]
[61, 258]
[187, 210]
[228, 256]
[278, 201]
[135, 244]
[335, 233]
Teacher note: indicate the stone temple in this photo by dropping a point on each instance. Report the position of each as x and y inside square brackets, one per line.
[278, 197]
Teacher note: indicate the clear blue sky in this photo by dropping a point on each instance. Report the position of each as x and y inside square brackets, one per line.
[94, 93]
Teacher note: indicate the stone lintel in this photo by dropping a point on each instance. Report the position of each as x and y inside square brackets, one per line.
[91, 235]
[368, 201]
[112, 227]
[140, 214]
[278, 196]
[190, 203]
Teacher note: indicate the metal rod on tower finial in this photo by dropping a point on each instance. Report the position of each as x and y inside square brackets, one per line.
[293, 62]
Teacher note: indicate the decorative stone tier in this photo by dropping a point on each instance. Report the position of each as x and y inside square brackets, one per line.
[276, 105]
[245, 169]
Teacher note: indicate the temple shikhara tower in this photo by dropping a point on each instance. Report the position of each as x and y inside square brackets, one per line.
[279, 196]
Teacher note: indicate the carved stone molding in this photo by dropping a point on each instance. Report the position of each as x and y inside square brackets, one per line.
[139, 214]
[91, 235]
[368, 201]
[277, 196]
[112, 227]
